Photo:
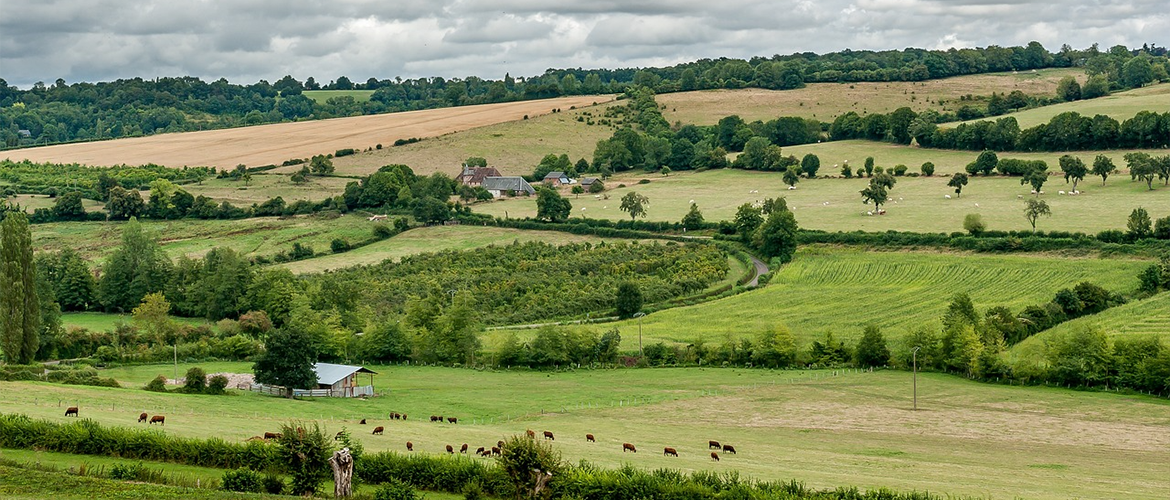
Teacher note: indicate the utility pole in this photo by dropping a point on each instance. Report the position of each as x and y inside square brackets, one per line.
[914, 355]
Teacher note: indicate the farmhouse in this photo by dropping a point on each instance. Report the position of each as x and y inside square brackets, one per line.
[557, 179]
[474, 176]
[588, 182]
[509, 185]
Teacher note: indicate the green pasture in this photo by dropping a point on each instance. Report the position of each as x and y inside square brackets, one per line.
[916, 204]
[265, 186]
[433, 239]
[824, 428]
[257, 236]
[1120, 106]
[100, 322]
[31, 202]
[842, 290]
[321, 96]
[513, 148]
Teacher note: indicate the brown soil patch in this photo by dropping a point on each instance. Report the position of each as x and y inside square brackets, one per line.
[272, 144]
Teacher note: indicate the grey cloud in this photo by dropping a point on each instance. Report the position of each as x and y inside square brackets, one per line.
[246, 40]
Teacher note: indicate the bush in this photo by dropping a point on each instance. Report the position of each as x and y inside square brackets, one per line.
[900, 170]
[382, 231]
[196, 380]
[928, 169]
[273, 484]
[339, 245]
[973, 224]
[217, 384]
[159, 384]
[395, 490]
[243, 480]
[343, 152]
[125, 472]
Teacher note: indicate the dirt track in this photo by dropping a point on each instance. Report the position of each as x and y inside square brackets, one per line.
[272, 144]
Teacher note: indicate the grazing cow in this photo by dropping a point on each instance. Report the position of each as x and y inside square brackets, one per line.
[589, 438]
[714, 456]
[531, 433]
[463, 449]
[377, 431]
[500, 444]
[393, 415]
[409, 446]
[495, 450]
[713, 444]
[158, 419]
[729, 449]
[142, 417]
[549, 435]
[450, 449]
[453, 420]
[363, 422]
[628, 447]
[72, 410]
[271, 435]
[337, 437]
[403, 416]
[669, 451]
[479, 451]
[435, 418]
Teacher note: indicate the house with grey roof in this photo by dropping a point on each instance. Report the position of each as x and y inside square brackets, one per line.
[507, 186]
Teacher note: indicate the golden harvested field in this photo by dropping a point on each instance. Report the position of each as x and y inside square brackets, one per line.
[825, 101]
[268, 144]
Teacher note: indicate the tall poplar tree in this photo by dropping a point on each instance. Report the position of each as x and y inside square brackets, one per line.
[20, 314]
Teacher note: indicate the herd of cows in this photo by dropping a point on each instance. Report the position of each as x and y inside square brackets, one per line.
[483, 451]
[487, 451]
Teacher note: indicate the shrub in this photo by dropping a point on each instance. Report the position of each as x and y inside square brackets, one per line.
[928, 169]
[396, 490]
[196, 380]
[244, 480]
[524, 460]
[644, 181]
[973, 224]
[273, 484]
[343, 152]
[125, 472]
[401, 224]
[382, 231]
[305, 451]
[339, 245]
[900, 170]
[159, 384]
[217, 384]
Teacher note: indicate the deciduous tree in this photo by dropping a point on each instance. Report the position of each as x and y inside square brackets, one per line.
[958, 180]
[551, 206]
[287, 361]
[1033, 209]
[1074, 169]
[634, 204]
[1103, 166]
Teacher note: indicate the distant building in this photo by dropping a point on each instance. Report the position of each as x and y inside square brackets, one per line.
[557, 179]
[507, 186]
[588, 182]
[474, 176]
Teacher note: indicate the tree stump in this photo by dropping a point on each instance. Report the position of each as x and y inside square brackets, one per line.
[342, 463]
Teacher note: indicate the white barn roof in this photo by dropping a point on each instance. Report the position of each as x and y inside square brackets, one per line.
[329, 374]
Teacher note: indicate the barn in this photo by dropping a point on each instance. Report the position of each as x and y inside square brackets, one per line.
[339, 381]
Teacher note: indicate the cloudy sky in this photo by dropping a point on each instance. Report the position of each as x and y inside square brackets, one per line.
[248, 40]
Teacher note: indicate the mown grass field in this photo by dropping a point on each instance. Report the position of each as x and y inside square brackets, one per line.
[324, 95]
[916, 204]
[824, 428]
[265, 186]
[842, 290]
[433, 239]
[1120, 106]
[825, 101]
[31, 202]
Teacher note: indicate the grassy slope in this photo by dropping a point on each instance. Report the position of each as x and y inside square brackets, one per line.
[101, 321]
[324, 95]
[825, 101]
[917, 204]
[31, 202]
[842, 290]
[431, 239]
[265, 186]
[851, 429]
[1121, 106]
[1144, 317]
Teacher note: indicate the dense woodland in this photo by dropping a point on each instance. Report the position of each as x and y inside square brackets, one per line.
[61, 112]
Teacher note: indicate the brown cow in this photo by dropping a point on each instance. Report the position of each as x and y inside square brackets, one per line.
[589, 438]
[669, 451]
[500, 444]
[409, 446]
[377, 430]
[393, 415]
[729, 449]
[403, 416]
[714, 456]
[363, 422]
[531, 433]
[72, 410]
[453, 420]
[271, 435]
[549, 435]
[435, 418]
[479, 451]
[159, 419]
[628, 447]
[713, 444]
[495, 450]
[142, 417]
[463, 449]
[450, 449]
